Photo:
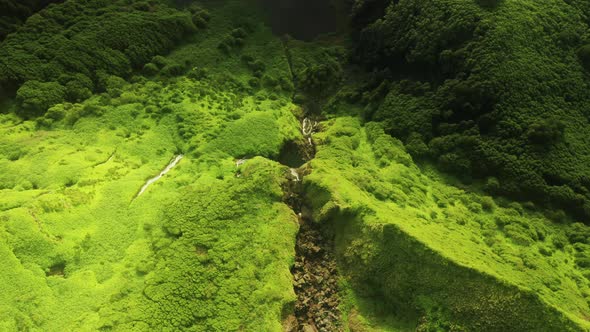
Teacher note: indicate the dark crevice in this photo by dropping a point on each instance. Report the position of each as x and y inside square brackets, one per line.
[291, 156]
[57, 270]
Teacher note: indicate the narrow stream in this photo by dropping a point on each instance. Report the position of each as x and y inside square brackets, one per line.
[295, 174]
[151, 181]
[315, 276]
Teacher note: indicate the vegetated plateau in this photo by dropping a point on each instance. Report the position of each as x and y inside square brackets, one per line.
[334, 165]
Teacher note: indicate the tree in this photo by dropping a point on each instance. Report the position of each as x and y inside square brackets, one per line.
[78, 87]
[34, 97]
[150, 69]
[546, 132]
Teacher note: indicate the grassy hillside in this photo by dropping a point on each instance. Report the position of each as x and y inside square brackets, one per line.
[81, 251]
[206, 247]
[436, 255]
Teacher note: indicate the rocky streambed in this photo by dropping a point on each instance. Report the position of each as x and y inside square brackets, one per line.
[315, 281]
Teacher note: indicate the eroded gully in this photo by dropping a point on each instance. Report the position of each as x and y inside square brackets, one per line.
[315, 276]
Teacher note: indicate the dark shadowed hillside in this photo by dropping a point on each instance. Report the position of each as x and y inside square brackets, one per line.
[13, 13]
[496, 90]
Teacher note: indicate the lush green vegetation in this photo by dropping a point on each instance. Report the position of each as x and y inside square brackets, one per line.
[433, 117]
[496, 89]
[14, 12]
[76, 45]
[206, 248]
[437, 256]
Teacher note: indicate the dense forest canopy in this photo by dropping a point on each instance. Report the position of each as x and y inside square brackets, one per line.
[496, 90]
[13, 13]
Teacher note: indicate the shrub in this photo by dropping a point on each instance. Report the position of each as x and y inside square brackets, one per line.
[247, 58]
[456, 163]
[286, 84]
[79, 88]
[172, 70]
[519, 234]
[150, 69]
[317, 78]
[416, 146]
[159, 61]
[199, 21]
[557, 216]
[492, 185]
[269, 82]
[201, 15]
[197, 73]
[224, 47]
[545, 251]
[404, 114]
[559, 241]
[299, 99]
[239, 33]
[55, 113]
[254, 82]
[92, 110]
[257, 66]
[113, 85]
[578, 233]
[582, 261]
[488, 204]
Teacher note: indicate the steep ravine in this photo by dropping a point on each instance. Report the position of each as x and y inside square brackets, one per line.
[315, 281]
[315, 275]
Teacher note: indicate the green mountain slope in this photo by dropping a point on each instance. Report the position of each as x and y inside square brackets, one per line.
[149, 180]
[434, 252]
